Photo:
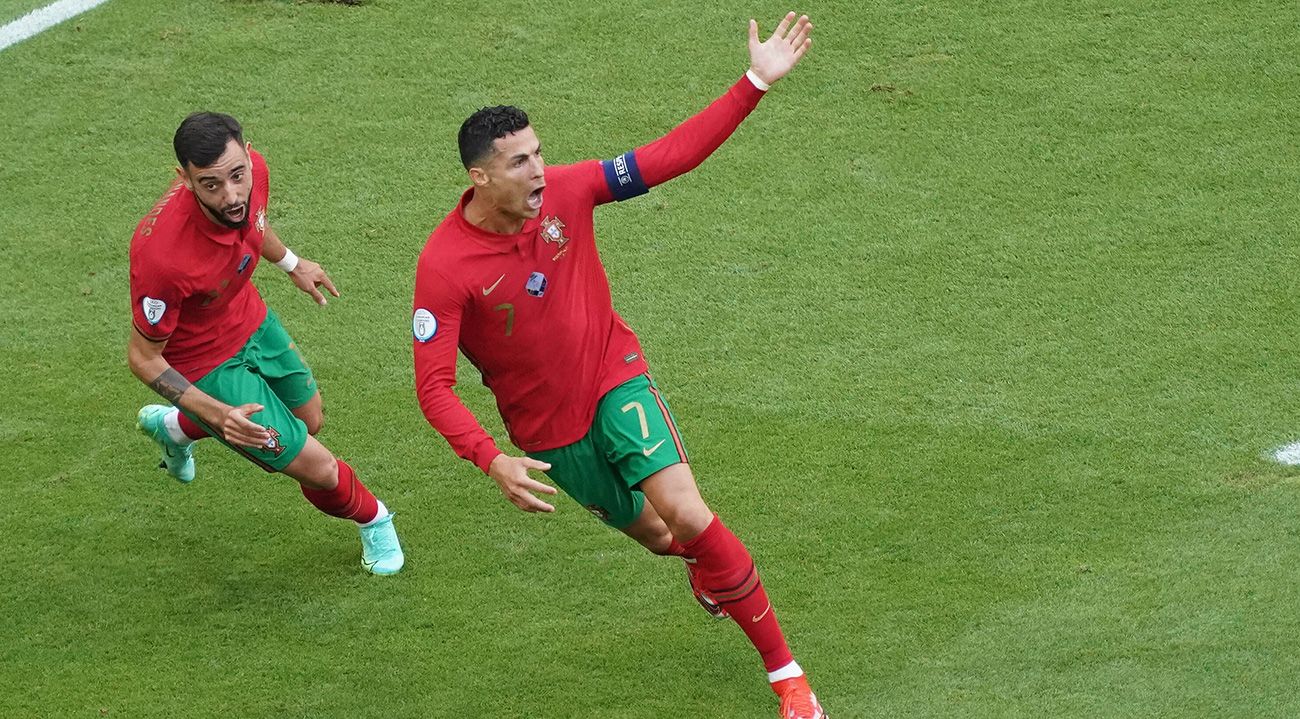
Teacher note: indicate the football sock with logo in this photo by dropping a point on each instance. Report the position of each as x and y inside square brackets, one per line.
[725, 569]
[349, 500]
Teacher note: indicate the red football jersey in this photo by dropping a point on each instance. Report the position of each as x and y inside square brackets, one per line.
[190, 278]
[532, 311]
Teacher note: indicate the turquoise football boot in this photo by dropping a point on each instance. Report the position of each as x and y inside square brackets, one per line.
[381, 553]
[177, 459]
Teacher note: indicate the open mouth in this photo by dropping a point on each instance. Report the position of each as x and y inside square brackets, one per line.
[236, 213]
[535, 198]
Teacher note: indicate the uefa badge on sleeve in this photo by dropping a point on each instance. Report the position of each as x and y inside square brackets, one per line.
[424, 325]
[153, 310]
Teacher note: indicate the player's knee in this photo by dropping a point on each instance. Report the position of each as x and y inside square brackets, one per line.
[315, 467]
[314, 423]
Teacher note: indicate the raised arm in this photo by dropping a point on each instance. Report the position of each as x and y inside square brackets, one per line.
[688, 144]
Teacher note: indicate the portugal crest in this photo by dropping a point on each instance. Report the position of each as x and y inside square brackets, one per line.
[553, 231]
[261, 220]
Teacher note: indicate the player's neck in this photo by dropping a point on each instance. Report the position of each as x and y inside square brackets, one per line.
[480, 213]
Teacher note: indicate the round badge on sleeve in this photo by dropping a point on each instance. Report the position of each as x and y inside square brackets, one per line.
[424, 325]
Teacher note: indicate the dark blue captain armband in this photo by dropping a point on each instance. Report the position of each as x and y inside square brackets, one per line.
[623, 177]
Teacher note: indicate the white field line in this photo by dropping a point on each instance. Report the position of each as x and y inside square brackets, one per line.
[43, 18]
[1289, 454]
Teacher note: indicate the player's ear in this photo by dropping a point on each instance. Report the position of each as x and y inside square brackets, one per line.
[185, 178]
[478, 176]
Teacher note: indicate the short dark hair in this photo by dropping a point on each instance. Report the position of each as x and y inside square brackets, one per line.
[203, 136]
[488, 124]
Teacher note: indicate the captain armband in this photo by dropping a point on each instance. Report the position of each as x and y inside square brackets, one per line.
[623, 177]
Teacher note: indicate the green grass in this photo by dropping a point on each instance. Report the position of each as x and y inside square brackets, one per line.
[979, 332]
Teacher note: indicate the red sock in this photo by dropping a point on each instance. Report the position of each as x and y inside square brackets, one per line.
[676, 549]
[726, 571]
[190, 427]
[349, 500]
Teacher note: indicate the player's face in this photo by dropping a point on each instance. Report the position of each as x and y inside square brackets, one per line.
[515, 175]
[224, 188]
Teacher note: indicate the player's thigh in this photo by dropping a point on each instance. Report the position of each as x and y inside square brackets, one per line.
[635, 430]
[276, 358]
[582, 472]
[234, 383]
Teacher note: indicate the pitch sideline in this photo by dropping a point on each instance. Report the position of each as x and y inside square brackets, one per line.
[42, 19]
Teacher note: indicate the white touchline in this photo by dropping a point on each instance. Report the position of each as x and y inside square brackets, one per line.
[43, 18]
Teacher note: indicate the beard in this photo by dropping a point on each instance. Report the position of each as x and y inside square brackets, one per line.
[224, 219]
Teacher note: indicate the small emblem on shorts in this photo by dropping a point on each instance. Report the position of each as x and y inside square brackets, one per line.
[273, 443]
[153, 310]
[601, 513]
[647, 451]
[424, 325]
[243, 264]
[629, 359]
[536, 284]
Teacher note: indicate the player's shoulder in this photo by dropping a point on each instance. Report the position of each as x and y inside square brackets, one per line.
[257, 159]
[446, 245]
[166, 230]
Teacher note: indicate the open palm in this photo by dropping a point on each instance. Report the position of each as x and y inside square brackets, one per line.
[772, 58]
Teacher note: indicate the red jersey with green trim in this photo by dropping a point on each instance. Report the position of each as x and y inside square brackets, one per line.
[532, 311]
[190, 277]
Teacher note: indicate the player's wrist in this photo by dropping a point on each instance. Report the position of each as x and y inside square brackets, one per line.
[289, 262]
[757, 81]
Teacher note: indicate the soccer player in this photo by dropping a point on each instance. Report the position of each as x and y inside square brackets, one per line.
[512, 278]
[206, 341]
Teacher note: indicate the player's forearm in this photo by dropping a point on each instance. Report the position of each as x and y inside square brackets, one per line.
[273, 250]
[457, 425]
[158, 375]
[688, 144]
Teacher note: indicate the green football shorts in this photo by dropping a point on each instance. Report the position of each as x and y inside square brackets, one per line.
[633, 436]
[270, 371]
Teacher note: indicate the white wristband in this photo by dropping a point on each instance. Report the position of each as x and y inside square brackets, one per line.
[289, 262]
[757, 82]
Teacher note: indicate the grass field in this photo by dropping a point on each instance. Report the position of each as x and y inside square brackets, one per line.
[980, 332]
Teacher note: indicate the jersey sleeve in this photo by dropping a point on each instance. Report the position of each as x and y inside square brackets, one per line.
[435, 327]
[156, 296]
[683, 149]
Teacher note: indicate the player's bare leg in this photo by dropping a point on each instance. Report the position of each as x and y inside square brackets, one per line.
[652, 532]
[725, 570]
[312, 414]
[333, 487]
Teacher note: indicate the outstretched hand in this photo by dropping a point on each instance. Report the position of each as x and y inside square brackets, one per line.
[772, 58]
[310, 277]
[511, 475]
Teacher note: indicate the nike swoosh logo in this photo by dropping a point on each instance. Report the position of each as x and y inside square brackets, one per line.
[689, 560]
[368, 565]
[651, 450]
[764, 614]
[488, 290]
